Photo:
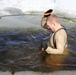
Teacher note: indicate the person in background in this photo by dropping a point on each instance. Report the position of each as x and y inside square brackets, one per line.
[58, 39]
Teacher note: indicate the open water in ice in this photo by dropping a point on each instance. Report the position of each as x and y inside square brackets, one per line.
[20, 46]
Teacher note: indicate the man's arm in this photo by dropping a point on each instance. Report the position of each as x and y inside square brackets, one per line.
[60, 43]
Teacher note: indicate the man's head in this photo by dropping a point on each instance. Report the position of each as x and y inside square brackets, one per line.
[44, 18]
[53, 22]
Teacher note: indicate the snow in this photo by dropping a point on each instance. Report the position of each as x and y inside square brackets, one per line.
[8, 7]
[27, 5]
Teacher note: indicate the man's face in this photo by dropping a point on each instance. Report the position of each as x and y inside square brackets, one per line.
[50, 25]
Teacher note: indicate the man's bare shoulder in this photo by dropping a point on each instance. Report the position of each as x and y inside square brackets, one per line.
[61, 33]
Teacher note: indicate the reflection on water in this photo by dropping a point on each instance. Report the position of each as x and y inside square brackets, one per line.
[20, 51]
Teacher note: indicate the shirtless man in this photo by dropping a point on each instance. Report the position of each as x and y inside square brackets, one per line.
[58, 39]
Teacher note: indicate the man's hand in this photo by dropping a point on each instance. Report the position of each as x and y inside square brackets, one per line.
[44, 46]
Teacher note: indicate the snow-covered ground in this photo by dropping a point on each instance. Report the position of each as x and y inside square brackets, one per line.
[40, 73]
[10, 7]
[26, 5]
[19, 6]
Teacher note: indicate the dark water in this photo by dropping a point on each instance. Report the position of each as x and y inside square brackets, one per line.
[21, 51]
